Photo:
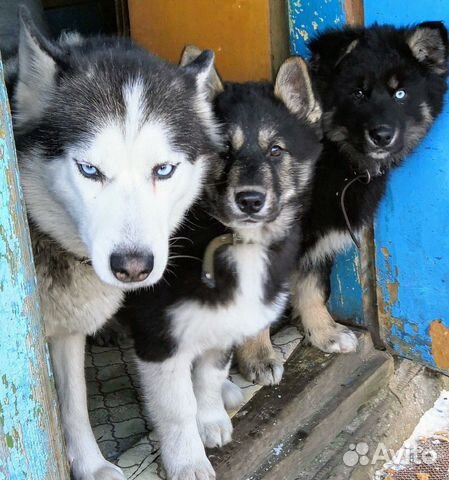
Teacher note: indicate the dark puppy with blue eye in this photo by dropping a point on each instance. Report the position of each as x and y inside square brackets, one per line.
[381, 89]
[245, 233]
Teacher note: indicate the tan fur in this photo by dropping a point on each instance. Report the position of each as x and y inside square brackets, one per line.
[238, 138]
[257, 360]
[293, 78]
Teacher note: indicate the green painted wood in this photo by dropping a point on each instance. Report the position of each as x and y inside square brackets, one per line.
[31, 444]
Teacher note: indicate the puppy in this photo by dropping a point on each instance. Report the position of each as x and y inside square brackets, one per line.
[381, 87]
[232, 266]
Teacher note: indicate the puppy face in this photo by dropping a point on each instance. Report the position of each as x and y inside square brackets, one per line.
[271, 145]
[381, 88]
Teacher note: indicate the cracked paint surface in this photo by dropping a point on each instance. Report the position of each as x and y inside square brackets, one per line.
[307, 17]
[28, 437]
[411, 230]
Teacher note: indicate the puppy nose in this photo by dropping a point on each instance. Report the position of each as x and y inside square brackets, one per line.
[131, 267]
[382, 135]
[250, 202]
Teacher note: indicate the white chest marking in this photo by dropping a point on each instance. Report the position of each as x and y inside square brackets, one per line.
[198, 327]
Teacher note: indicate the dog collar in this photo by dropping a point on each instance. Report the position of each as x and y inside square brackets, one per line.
[208, 270]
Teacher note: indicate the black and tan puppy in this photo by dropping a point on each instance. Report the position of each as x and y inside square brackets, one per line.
[247, 229]
[381, 89]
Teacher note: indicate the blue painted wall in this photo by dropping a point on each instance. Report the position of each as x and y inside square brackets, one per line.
[306, 19]
[31, 446]
[412, 227]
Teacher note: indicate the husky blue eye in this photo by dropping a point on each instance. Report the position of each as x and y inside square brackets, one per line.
[400, 94]
[89, 171]
[164, 171]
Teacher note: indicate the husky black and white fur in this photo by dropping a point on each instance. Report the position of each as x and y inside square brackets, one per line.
[183, 329]
[381, 89]
[112, 146]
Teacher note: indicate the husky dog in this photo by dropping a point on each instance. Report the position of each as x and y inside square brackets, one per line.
[247, 228]
[112, 145]
[381, 89]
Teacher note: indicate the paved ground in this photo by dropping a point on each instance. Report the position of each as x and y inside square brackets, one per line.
[122, 430]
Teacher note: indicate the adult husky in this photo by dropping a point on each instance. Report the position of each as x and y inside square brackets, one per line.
[112, 147]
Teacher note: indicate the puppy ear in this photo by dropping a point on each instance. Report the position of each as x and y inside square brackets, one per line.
[201, 64]
[329, 48]
[293, 87]
[37, 69]
[428, 42]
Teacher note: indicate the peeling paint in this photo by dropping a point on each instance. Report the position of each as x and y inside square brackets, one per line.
[412, 244]
[303, 20]
[31, 446]
[440, 344]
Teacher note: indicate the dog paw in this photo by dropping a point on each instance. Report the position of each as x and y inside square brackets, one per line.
[109, 472]
[334, 339]
[264, 371]
[104, 471]
[215, 428]
[198, 471]
[232, 395]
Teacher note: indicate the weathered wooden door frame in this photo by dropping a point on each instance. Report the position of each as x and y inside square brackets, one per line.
[31, 441]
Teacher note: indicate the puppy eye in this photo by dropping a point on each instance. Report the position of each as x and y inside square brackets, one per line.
[89, 171]
[276, 151]
[359, 94]
[400, 94]
[164, 171]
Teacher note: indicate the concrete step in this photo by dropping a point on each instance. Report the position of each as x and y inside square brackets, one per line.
[380, 427]
[284, 428]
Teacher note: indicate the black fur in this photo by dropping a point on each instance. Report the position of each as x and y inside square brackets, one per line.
[95, 70]
[251, 107]
[378, 61]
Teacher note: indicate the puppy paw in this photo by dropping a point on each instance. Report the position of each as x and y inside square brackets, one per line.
[335, 338]
[215, 428]
[232, 395]
[264, 371]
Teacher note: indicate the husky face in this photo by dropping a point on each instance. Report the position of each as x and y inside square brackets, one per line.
[113, 147]
[385, 86]
[271, 147]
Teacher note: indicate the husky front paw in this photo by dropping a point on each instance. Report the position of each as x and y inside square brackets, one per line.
[103, 471]
[109, 472]
[264, 371]
[334, 338]
[232, 395]
[215, 428]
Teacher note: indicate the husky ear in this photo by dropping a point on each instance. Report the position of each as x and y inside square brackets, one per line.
[201, 64]
[294, 87]
[428, 42]
[37, 69]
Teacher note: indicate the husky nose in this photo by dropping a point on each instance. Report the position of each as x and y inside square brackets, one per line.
[131, 267]
[382, 135]
[250, 202]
